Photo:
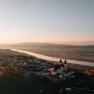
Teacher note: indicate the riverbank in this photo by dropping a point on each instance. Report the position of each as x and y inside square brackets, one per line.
[91, 64]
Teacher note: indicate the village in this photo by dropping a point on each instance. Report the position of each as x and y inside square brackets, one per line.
[62, 74]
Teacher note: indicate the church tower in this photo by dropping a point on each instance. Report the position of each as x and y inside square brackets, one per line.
[65, 65]
[60, 61]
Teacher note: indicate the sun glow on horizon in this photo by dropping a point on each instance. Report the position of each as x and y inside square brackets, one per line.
[46, 21]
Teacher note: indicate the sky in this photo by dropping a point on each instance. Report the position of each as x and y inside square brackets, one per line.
[55, 21]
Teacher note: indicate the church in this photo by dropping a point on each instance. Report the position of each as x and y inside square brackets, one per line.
[61, 69]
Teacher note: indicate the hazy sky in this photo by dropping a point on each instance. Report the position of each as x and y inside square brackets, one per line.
[46, 21]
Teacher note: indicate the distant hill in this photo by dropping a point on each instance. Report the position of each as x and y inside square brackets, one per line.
[83, 43]
[37, 44]
[29, 44]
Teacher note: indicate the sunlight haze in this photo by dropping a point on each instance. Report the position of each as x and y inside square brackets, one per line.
[54, 21]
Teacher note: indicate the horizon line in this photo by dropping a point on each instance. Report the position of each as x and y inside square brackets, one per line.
[63, 43]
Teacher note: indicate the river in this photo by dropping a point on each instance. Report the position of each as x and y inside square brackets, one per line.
[54, 58]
